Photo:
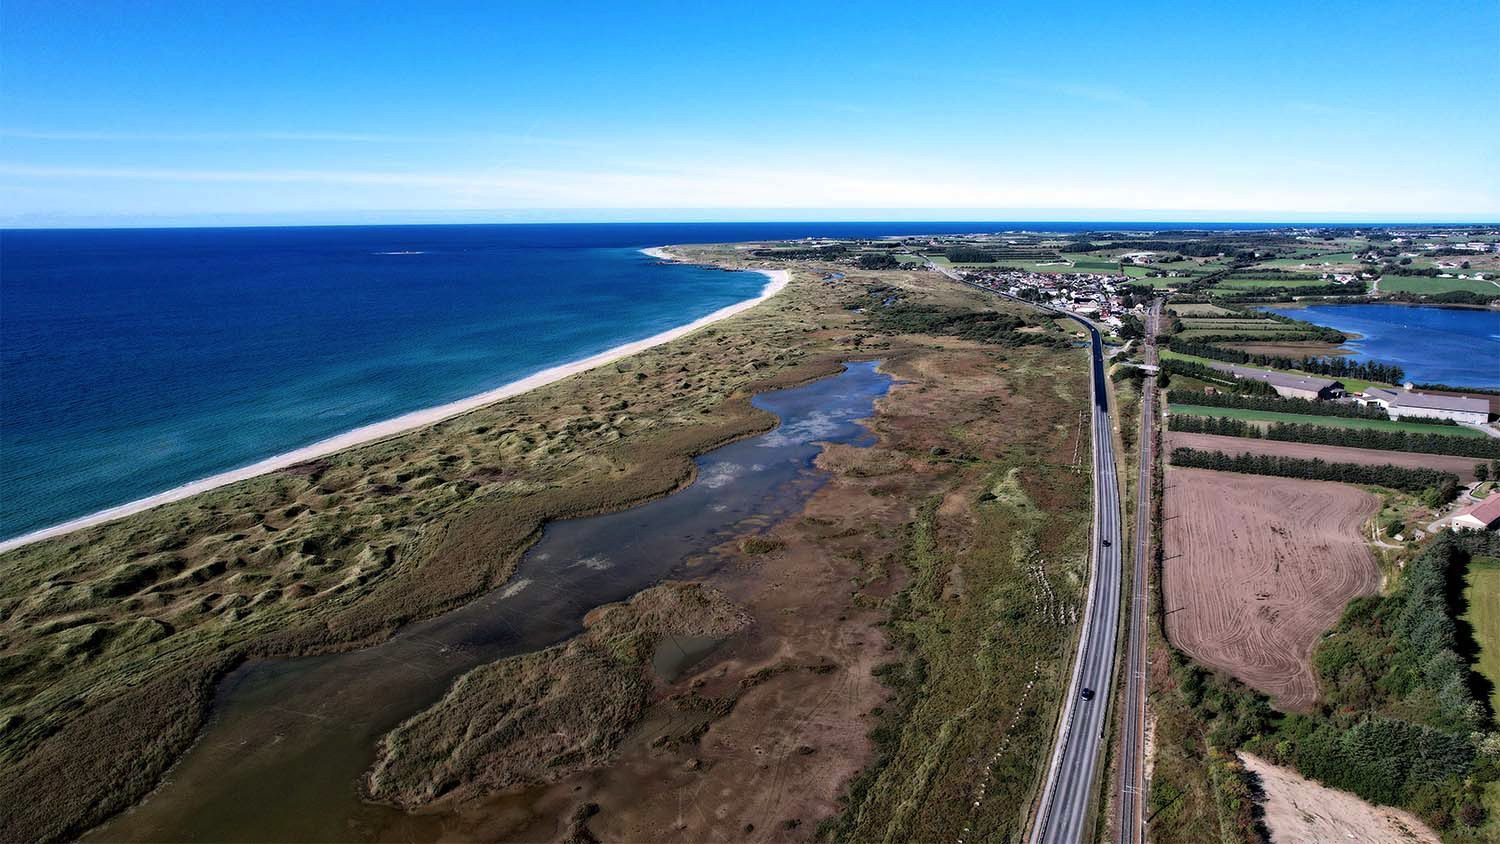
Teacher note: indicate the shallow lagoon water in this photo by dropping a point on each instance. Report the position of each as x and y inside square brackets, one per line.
[289, 739]
[1458, 346]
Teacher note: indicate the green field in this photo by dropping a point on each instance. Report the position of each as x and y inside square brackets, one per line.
[1268, 281]
[1199, 309]
[1326, 421]
[1422, 284]
[1482, 594]
[1157, 282]
[1341, 259]
[1239, 325]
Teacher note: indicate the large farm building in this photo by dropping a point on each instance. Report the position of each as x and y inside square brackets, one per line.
[1406, 404]
[1286, 384]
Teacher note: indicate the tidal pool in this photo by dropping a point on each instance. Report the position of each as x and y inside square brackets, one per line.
[283, 753]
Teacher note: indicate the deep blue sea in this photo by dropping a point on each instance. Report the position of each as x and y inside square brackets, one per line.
[1457, 346]
[135, 360]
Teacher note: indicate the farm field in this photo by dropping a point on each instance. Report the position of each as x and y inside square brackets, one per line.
[1423, 284]
[1199, 309]
[1463, 467]
[1482, 594]
[1258, 568]
[1302, 811]
[1326, 421]
[1291, 349]
[1310, 262]
[1254, 283]
[1156, 282]
[1227, 325]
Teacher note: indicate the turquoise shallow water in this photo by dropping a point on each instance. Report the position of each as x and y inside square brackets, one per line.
[1457, 346]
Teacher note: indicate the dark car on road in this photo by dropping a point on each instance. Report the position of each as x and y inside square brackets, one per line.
[1088, 694]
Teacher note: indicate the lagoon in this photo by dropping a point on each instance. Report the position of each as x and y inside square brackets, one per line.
[1456, 346]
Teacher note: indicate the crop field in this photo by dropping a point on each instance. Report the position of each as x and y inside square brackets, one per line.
[1258, 282]
[1199, 309]
[1156, 282]
[1258, 568]
[1423, 284]
[1463, 467]
[1327, 421]
[1231, 325]
[1311, 262]
[1482, 595]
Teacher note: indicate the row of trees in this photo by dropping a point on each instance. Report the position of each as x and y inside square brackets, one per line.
[1483, 447]
[1276, 404]
[1337, 367]
[1432, 483]
[1193, 369]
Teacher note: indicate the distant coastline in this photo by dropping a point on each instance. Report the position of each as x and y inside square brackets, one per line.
[776, 281]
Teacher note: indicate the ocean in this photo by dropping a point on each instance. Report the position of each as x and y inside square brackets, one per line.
[1455, 346]
[133, 361]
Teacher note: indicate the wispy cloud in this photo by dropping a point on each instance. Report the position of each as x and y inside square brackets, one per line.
[333, 137]
[711, 185]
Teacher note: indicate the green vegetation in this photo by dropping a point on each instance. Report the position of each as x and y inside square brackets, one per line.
[1347, 437]
[1440, 487]
[1295, 407]
[1403, 727]
[981, 634]
[1336, 367]
[1355, 384]
[1337, 421]
[1481, 599]
[1425, 285]
[888, 310]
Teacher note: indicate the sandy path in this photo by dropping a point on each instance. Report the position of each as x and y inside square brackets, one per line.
[1463, 467]
[1258, 568]
[1300, 811]
[778, 280]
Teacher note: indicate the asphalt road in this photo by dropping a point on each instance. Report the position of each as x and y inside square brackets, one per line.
[1064, 812]
[1064, 815]
[1133, 786]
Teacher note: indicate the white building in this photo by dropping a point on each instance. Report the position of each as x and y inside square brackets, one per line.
[1479, 516]
[1405, 404]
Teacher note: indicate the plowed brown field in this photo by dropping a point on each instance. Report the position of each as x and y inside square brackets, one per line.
[1463, 467]
[1257, 568]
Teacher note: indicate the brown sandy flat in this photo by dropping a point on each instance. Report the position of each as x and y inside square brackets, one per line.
[1257, 568]
[1300, 811]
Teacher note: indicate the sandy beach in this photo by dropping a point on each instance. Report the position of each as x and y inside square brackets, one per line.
[777, 280]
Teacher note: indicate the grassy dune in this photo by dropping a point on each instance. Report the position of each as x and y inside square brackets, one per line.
[111, 638]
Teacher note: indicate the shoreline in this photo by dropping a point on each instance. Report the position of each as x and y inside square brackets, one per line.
[777, 280]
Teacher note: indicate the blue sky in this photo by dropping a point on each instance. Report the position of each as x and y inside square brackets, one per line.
[146, 113]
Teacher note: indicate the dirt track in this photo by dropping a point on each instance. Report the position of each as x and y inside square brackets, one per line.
[1257, 568]
[1300, 811]
[1463, 467]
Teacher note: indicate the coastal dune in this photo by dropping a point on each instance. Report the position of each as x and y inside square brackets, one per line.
[776, 281]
